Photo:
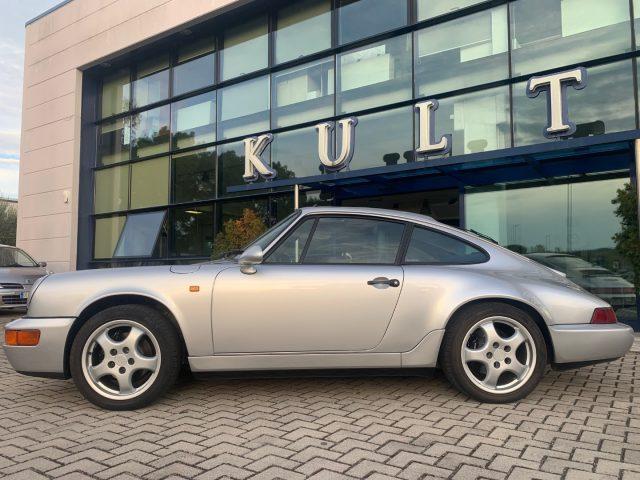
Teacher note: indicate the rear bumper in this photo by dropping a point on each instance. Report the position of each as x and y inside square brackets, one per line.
[590, 343]
[46, 358]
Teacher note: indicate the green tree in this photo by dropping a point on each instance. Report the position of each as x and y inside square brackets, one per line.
[236, 233]
[8, 223]
[628, 238]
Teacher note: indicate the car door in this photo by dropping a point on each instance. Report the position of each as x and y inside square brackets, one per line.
[331, 285]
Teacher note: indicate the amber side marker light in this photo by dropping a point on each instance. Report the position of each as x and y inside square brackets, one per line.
[603, 316]
[22, 338]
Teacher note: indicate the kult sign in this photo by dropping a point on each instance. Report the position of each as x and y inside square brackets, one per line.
[558, 125]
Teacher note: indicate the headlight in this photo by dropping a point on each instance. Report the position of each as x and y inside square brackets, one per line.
[35, 286]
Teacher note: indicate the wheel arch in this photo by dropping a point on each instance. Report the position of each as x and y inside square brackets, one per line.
[529, 309]
[115, 300]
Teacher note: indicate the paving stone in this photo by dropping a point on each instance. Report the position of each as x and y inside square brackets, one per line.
[577, 425]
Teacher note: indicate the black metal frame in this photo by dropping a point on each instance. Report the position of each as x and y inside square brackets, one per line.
[173, 43]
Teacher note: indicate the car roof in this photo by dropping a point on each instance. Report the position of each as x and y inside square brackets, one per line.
[380, 212]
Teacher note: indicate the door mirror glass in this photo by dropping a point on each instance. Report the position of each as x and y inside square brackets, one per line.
[250, 257]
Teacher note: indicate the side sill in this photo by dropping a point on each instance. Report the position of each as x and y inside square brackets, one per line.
[292, 361]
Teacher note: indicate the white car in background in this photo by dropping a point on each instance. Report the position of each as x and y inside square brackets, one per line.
[18, 273]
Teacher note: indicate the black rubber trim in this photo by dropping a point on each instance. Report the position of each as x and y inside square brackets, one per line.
[56, 375]
[574, 365]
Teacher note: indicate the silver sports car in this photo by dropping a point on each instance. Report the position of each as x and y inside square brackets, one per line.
[326, 288]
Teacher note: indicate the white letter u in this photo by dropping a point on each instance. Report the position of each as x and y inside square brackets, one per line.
[326, 150]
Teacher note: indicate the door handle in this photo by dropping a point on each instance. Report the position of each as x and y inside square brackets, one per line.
[384, 281]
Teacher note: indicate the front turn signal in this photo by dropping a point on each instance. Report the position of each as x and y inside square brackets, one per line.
[603, 316]
[22, 338]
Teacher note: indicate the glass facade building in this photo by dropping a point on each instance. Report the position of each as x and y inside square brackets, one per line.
[164, 157]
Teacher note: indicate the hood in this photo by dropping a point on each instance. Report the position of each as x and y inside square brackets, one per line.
[23, 275]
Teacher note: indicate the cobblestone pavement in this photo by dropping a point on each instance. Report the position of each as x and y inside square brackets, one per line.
[581, 424]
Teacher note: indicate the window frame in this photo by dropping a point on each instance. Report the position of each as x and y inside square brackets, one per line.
[414, 226]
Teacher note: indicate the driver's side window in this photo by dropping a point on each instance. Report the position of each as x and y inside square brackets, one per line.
[290, 250]
[364, 241]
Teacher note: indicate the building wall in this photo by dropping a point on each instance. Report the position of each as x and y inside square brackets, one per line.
[57, 47]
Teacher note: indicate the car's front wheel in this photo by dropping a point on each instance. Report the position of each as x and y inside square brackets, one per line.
[494, 352]
[125, 357]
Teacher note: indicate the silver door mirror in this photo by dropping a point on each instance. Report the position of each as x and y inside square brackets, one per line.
[42, 264]
[249, 258]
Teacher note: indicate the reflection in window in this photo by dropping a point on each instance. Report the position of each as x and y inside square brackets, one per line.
[292, 153]
[150, 183]
[140, 234]
[354, 240]
[112, 189]
[552, 33]
[240, 223]
[303, 93]
[302, 28]
[636, 20]
[434, 8]
[107, 233]
[152, 84]
[245, 48]
[243, 108]
[363, 18]
[193, 121]
[150, 132]
[116, 93]
[478, 122]
[196, 67]
[290, 251]
[194, 175]
[192, 232]
[115, 139]
[602, 107]
[554, 224]
[461, 53]
[316, 198]
[384, 139]
[375, 75]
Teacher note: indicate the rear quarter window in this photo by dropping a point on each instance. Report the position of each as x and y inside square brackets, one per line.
[431, 247]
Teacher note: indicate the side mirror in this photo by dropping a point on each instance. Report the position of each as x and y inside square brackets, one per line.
[250, 257]
[42, 264]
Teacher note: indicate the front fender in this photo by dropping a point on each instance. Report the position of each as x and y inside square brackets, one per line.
[70, 294]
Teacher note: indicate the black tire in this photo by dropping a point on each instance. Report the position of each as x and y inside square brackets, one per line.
[450, 352]
[170, 349]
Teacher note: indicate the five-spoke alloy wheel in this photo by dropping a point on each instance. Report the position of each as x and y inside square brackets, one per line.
[121, 359]
[125, 357]
[493, 352]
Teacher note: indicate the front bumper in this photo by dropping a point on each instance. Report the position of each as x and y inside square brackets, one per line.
[14, 298]
[46, 358]
[590, 343]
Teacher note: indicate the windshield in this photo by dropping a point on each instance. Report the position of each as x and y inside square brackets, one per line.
[14, 257]
[270, 235]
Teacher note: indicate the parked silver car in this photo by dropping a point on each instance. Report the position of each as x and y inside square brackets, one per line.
[18, 272]
[327, 288]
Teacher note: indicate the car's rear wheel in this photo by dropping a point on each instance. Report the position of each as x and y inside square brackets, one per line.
[125, 357]
[494, 353]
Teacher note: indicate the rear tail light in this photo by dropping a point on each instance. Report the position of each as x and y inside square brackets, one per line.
[22, 338]
[603, 316]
